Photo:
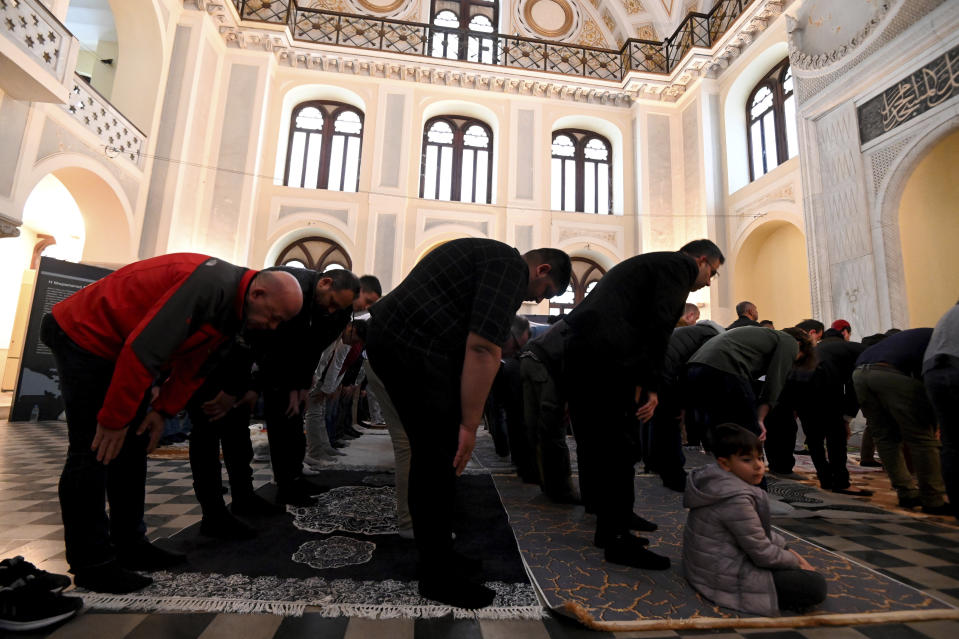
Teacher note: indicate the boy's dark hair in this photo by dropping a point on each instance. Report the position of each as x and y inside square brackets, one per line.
[811, 325]
[371, 284]
[703, 248]
[732, 439]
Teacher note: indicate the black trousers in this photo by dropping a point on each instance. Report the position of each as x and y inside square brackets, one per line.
[286, 436]
[232, 432]
[822, 422]
[602, 410]
[720, 398]
[665, 455]
[86, 485]
[426, 395]
[781, 429]
[942, 386]
[798, 590]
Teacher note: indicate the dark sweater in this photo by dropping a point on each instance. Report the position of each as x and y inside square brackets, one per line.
[903, 350]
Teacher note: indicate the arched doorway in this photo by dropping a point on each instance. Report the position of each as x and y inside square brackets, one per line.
[772, 271]
[317, 253]
[586, 273]
[929, 233]
[52, 225]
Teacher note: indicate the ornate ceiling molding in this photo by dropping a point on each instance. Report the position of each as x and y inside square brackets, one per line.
[636, 86]
[818, 61]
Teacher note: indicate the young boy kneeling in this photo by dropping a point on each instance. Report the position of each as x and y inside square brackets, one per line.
[730, 554]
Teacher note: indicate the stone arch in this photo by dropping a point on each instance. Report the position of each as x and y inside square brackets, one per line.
[141, 58]
[289, 235]
[107, 213]
[885, 218]
[770, 268]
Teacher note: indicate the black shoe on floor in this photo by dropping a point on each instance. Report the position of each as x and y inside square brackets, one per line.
[349, 430]
[945, 510]
[909, 502]
[145, 556]
[603, 541]
[870, 463]
[252, 505]
[223, 525]
[565, 498]
[338, 443]
[853, 491]
[629, 551]
[456, 591]
[642, 525]
[27, 604]
[17, 567]
[110, 577]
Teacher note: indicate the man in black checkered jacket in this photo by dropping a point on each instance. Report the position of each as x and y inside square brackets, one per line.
[435, 342]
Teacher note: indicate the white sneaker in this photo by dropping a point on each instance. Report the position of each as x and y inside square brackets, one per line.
[318, 462]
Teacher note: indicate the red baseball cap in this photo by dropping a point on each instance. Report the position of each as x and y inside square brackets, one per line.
[841, 325]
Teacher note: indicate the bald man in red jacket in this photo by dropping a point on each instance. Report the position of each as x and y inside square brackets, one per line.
[157, 322]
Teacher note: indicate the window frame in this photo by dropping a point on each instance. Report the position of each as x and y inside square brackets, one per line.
[465, 12]
[315, 261]
[579, 283]
[331, 110]
[459, 124]
[774, 82]
[581, 138]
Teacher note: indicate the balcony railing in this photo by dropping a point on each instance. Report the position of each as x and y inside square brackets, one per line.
[118, 135]
[37, 50]
[415, 38]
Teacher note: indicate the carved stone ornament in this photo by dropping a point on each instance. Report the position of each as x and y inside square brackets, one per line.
[811, 61]
[8, 229]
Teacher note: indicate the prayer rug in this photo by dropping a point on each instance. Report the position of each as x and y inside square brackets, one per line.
[574, 580]
[340, 557]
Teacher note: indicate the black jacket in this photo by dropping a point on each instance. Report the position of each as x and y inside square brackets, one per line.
[832, 379]
[742, 321]
[626, 321]
[685, 341]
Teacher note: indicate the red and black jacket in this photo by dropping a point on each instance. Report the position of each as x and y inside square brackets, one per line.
[163, 316]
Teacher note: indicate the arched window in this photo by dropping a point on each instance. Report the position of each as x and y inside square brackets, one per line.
[464, 30]
[580, 175]
[317, 253]
[586, 274]
[771, 121]
[324, 147]
[457, 160]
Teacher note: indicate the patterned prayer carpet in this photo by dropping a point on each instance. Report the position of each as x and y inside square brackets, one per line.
[339, 558]
[573, 578]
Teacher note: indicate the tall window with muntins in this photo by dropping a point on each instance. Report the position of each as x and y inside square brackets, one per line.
[324, 147]
[586, 274]
[464, 30]
[771, 119]
[315, 252]
[580, 175]
[457, 160]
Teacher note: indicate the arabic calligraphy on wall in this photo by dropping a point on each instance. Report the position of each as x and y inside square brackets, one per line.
[928, 87]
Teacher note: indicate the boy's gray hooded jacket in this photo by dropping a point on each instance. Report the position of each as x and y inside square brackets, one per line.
[728, 547]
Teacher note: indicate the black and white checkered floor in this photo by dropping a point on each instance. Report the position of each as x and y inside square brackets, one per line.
[922, 553]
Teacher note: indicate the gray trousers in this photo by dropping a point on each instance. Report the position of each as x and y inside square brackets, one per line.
[898, 411]
[401, 448]
[543, 414]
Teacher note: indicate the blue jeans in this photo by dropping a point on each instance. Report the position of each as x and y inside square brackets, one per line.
[86, 484]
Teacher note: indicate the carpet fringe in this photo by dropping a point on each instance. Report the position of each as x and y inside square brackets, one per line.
[296, 609]
[190, 604]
